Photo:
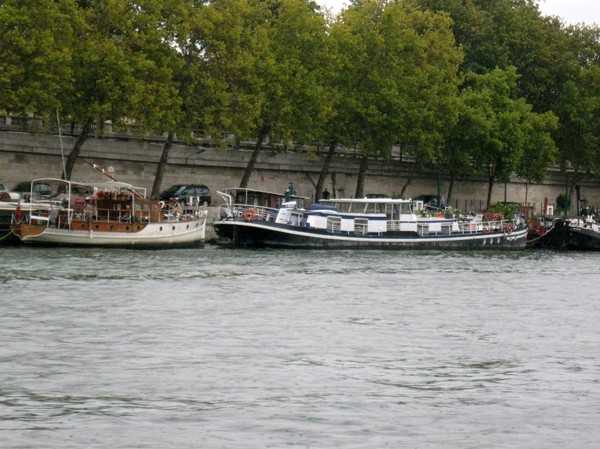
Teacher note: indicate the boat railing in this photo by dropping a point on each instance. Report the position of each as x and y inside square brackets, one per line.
[425, 229]
[361, 226]
[334, 225]
[400, 226]
[251, 212]
[248, 211]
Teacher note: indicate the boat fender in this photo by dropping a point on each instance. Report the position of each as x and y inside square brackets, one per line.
[250, 214]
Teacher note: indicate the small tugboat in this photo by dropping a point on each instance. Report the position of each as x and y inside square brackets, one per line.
[255, 218]
[109, 214]
[577, 234]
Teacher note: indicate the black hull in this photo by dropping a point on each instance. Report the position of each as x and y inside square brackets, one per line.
[8, 238]
[562, 236]
[261, 234]
[6, 235]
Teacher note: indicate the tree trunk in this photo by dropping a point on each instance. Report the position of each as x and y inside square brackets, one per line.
[362, 174]
[162, 164]
[333, 185]
[490, 187]
[450, 190]
[74, 154]
[254, 157]
[325, 170]
[409, 179]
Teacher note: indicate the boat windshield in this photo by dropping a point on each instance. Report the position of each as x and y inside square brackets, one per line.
[390, 207]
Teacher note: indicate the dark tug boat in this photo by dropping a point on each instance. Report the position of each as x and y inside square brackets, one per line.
[576, 234]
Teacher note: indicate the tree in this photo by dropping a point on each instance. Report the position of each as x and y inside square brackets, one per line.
[35, 55]
[498, 129]
[398, 79]
[577, 104]
[122, 66]
[505, 33]
[260, 66]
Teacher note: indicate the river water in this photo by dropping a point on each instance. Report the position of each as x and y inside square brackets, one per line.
[223, 348]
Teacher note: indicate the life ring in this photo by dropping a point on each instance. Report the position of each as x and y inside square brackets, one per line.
[509, 228]
[161, 204]
[250, 214]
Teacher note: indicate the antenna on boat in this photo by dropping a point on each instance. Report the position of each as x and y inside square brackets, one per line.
[100, 169]
[62, 153]
[108, 174]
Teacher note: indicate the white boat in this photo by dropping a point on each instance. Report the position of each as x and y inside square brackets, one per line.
[108, 214]
[254, 218]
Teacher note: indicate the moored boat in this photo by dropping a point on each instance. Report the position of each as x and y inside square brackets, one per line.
[254, 218]
[108, 214]
[10, 213]
[576, 233]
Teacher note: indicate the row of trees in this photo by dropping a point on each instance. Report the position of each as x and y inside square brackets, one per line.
[471, 87]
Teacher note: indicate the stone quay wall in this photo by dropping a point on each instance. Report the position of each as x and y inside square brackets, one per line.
[26, 156]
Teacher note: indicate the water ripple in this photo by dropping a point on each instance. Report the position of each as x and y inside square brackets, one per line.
[240, 348]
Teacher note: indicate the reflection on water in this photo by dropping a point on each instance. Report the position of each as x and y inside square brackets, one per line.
[222, 348]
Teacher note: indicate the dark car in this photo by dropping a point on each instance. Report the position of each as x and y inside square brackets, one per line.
[377, 195]
[431, 201]
[188, 194]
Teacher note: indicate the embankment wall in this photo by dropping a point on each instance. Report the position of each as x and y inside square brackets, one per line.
[25, 156]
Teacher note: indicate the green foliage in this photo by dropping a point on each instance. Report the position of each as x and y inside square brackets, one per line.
[379, 74]
[35, 54]
[397, 77]
[501, 132]
[563, 203]
[502, 210]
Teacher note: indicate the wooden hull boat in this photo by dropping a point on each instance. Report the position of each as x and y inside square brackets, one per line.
[10, 213]
[116, 216]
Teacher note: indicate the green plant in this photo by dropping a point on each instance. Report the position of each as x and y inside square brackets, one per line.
[563, 203]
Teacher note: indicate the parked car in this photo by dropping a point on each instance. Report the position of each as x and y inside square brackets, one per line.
[187, 194]
[377, 195]
[6, 195]
[431, 201]
[40, 190]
